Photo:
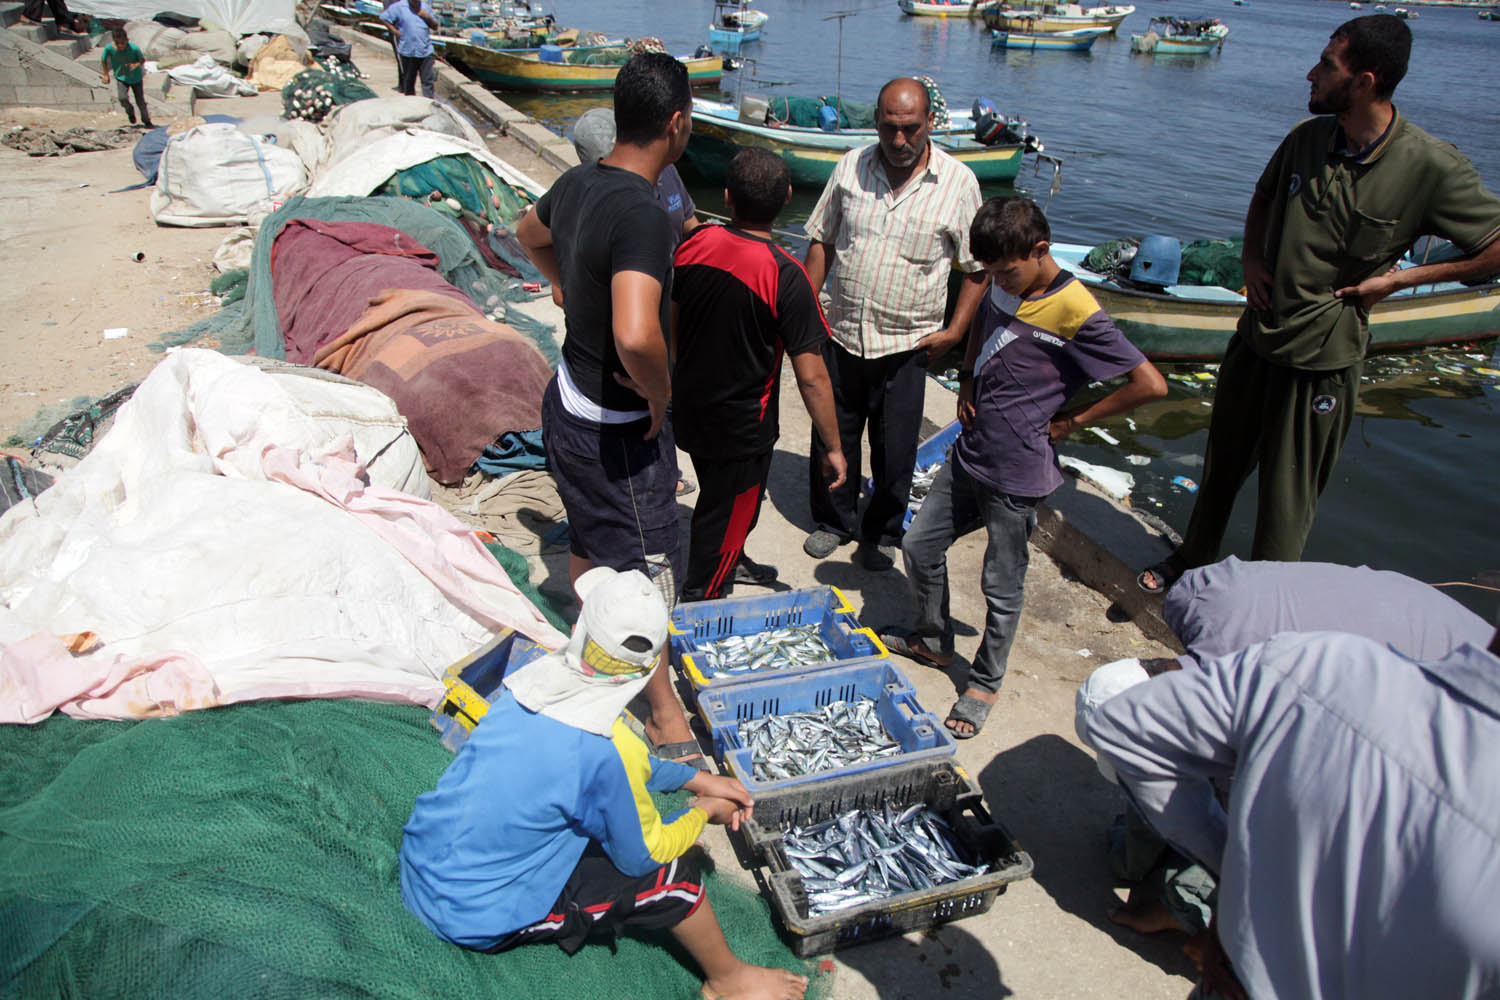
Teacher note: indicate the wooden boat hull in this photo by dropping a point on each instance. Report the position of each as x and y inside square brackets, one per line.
[1077, 40]
[937, 8]
[524, 70]
[1170, 328]
[1007, 19]
[811, 154]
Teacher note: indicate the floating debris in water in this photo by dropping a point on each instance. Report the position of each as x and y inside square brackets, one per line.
[1103, 435]
[800, 743]
[1185, 483]
[866, 855]
[777, 649]
[1137, 459]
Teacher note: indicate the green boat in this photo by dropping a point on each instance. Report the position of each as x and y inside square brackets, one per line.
[1195, 322]
[811, 153]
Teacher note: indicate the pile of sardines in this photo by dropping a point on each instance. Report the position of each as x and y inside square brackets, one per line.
[799, 743]
[866, 855]
[792, 647]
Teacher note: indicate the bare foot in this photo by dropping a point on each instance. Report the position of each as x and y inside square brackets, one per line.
[960, 727]
[1151, 917]
[754, 982]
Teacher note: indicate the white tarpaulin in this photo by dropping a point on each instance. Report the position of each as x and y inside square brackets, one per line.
[210, 79]
[359, 175]
[221, 542]
[242, 17]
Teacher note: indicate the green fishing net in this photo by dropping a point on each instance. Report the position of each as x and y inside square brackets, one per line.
[251, 851]
[313, 93]
[459, 178]
[1213, 262]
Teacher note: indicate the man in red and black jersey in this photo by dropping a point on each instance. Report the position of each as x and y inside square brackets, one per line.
[739, 303]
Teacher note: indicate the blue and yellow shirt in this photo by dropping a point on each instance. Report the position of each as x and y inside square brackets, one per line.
[487, 851]
[1037, 353]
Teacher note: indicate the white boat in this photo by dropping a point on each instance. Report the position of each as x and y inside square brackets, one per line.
[1050, 17]
[946, 8]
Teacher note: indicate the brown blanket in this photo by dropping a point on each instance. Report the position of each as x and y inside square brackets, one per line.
[459, 380]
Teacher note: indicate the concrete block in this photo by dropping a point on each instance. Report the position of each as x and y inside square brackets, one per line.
[32, 96]
[7, 95]
[13, 76]
[10, 13]
[9, 57]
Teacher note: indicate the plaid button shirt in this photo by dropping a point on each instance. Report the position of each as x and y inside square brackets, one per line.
[893, 250]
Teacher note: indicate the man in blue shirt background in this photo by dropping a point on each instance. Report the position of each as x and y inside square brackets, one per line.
[411, 22]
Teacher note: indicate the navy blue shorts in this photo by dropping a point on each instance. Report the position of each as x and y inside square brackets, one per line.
[620, 492]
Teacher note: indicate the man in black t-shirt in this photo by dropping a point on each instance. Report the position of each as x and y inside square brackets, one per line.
[739, 302]
[600, 235]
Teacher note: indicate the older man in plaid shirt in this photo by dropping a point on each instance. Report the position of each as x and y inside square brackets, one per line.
[891, 222]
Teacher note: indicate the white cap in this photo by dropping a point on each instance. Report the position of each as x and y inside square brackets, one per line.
[1102, 685]
[623, 622]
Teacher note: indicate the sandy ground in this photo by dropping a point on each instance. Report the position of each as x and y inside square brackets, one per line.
[67, 244]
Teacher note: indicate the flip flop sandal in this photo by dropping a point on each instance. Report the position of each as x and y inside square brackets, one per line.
[685, 486]
[684, 752]
[1165, 574]
[909, 644]
[971, 710]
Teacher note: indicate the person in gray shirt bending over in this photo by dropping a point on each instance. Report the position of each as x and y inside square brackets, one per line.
[1223, 608]
[1359, 854]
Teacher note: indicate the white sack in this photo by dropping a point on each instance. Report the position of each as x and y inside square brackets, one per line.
[215, 174]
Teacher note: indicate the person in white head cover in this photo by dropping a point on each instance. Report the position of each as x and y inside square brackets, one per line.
[543, 827]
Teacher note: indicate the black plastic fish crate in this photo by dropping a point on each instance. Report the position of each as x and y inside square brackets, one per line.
[940, 784]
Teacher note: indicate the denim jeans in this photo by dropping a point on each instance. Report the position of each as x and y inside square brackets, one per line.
[958, 504]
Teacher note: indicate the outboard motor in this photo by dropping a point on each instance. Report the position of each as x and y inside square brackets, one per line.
[1157, 262]
[990, 125]
[702, 52]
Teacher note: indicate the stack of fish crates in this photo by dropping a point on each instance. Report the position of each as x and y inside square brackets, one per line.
[815, 739]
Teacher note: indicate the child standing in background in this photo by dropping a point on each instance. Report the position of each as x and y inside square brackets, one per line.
[129, 66]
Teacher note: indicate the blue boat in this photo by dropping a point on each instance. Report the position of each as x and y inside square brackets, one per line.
[734, 24]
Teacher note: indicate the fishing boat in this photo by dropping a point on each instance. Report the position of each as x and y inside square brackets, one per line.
[1076, 40]
[1055, 17]
[1195, 322]
[1175, 36]
[1356, 5]
[720, 131]
[1404, 14]
[946, 8]
[734, 24]
[557, 69]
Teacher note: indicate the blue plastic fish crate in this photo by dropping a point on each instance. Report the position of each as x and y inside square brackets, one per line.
[700, 622]
[941, 784]
[920, 733]
[934, 449]
[473, 681]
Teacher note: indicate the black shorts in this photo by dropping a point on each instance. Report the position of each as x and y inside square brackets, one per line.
[620, 492]
[601, 898]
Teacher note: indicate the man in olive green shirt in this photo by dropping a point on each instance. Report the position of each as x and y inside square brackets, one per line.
[1342, 199]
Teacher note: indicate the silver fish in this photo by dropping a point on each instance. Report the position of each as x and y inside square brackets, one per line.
[863, 856]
